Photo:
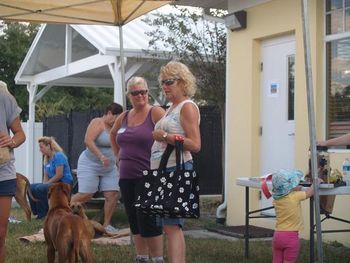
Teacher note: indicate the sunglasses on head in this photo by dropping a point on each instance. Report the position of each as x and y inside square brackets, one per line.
[168, 82]
[137, 92]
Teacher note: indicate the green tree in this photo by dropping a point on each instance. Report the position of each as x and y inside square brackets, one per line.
[15, 41]
[61, 100]
[199, 43]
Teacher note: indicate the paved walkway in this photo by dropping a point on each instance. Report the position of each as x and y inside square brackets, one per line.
[203, 233]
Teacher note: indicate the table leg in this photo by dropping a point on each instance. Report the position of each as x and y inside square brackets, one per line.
[246, 235]
[312, 236]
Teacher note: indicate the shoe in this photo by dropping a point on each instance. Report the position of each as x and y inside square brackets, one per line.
[14, 220]
[139, 259]
[111, 230]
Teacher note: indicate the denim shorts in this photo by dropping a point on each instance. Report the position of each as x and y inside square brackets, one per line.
[8, 187]
[174, 221]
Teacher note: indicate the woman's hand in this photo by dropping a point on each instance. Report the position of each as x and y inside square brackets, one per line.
[5, 140]
[105, 161]
[322, 143]
[159, 135]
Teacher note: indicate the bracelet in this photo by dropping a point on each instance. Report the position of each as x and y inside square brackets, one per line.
[13, 143]
[165, 136]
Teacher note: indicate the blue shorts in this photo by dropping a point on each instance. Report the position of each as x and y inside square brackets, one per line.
[174, 221]
[8, 187]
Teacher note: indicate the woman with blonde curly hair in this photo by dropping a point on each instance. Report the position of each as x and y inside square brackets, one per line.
[56, 169]
[181, 119]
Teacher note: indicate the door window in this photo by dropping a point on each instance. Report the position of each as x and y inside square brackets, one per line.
[291, 77]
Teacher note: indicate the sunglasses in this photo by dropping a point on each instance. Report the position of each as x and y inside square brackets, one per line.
[168, 82]
[137, 92]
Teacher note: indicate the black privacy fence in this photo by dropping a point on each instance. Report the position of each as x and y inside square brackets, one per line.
[69, 131]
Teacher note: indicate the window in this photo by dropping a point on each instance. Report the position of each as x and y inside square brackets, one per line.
[291, 77]
[338, 67]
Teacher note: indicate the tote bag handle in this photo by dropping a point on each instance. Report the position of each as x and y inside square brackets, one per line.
[180, 160]
[165, 157]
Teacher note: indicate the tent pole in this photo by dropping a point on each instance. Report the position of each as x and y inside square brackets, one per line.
[312, 126]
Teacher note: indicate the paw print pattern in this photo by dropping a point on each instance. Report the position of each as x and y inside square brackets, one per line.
[172, 191]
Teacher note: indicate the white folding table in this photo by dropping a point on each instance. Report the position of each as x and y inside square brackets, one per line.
[324, 189]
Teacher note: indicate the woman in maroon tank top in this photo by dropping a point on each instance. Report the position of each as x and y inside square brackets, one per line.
[131, 140]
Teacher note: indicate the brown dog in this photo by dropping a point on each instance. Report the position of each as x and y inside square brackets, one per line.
[22, 190]
[65, 232]
[94, 227]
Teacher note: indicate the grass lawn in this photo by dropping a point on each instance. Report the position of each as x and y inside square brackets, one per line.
[198, 250]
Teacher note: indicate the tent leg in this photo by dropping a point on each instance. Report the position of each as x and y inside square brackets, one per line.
[312, 126]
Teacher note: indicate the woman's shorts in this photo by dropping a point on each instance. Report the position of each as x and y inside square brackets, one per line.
[139, 223]
[92, 178]
[8, 187]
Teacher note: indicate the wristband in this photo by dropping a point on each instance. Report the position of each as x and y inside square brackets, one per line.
[13, 143]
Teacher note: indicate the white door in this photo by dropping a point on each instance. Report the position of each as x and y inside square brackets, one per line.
[277, 112]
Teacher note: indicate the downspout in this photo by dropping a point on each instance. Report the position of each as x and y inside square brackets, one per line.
[221, 209]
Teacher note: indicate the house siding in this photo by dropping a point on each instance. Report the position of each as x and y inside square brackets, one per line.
[272, 19]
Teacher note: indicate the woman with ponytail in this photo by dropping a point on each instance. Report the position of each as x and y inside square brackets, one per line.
[56, 169]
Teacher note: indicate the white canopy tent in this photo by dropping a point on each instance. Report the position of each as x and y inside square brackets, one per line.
[82, 56]
[90, 12]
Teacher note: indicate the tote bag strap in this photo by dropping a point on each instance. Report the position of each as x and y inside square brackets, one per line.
[165, 157]
[180, 160]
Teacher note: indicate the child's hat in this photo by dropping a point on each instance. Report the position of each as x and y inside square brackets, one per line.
[283, 182]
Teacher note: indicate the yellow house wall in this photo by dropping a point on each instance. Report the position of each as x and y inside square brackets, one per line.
[272, 19]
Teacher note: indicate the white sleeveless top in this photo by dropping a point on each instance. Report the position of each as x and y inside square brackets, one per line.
[169, 123]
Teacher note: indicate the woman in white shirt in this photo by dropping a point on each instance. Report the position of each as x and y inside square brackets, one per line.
[181, 119]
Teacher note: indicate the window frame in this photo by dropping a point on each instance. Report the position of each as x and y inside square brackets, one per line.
[328, 63]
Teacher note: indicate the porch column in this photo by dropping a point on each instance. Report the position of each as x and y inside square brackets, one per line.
[31, 88]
